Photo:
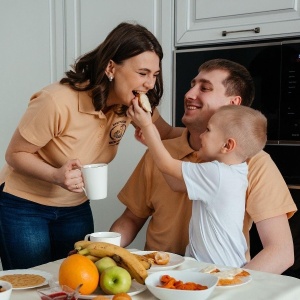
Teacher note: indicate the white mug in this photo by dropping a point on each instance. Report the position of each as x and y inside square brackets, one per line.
[107, 237]
[95, 181]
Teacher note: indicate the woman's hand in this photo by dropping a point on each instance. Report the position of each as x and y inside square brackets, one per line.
[69, 176]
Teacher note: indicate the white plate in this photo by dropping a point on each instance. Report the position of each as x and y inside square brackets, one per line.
[46, 275]
[244, 280]
[135, 289]
[175, 261]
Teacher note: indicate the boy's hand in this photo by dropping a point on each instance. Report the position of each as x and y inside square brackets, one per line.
[138, 115]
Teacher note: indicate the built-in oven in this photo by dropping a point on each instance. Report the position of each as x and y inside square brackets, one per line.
[275, 68]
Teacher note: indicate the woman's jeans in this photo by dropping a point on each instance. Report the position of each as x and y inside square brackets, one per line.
[32, 234]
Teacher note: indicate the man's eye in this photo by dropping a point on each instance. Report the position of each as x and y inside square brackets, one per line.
[204, 88]
[143, 74]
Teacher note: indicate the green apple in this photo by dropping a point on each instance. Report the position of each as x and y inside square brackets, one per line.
[115, 280]
[104, 263]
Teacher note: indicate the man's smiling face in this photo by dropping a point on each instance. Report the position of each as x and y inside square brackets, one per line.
[206, 95]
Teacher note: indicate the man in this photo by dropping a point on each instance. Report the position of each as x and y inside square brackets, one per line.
[268, 201]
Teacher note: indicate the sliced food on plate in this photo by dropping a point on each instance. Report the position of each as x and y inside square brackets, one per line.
[25, 279]
[158, 257]
[228, 276]
[160, 260]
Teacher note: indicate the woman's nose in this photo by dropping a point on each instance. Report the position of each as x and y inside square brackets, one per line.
[150, 82]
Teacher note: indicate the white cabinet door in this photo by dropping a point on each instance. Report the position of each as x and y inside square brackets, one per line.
[216, 21]
[28, 51]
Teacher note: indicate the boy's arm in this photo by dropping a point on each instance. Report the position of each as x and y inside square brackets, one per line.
[164, 161]
[175, 184]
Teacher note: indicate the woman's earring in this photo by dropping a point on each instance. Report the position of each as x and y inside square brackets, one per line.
[110, 78]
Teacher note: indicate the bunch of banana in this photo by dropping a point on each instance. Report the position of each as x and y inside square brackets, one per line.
[136, 265]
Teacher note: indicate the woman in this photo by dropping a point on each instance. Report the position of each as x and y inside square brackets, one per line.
[79, 120]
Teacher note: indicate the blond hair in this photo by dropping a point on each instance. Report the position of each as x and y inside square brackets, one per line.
[247, 126]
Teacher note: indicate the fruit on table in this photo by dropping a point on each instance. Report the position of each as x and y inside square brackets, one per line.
[114, 280]
[121, 296]
[104, 263]
[121, 256]
[77, 269]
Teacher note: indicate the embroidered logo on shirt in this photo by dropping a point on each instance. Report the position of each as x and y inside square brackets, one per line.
[117, 132]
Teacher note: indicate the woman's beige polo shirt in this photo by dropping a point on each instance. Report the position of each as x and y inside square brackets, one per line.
[64, 123]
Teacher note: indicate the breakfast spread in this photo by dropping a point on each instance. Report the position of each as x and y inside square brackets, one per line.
[123, 258]
[23, 280]
[228, 276]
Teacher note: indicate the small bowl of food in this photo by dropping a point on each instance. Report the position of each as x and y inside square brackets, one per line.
[58, 293]
[175, 284]
[5, 290]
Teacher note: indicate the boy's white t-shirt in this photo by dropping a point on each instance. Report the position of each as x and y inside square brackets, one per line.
[218, 192]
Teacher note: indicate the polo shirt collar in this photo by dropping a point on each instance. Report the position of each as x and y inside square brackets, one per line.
[182, 146]
[85, 104]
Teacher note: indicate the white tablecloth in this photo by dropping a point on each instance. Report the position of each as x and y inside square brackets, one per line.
[264, 286]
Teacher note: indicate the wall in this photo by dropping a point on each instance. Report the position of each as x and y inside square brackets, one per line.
[41, 38]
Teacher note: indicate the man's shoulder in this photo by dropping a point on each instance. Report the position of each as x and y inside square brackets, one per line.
[260, 157]
[262, 163]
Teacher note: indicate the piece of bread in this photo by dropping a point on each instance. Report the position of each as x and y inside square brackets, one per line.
[144, 102]
[161, 258]
[158, 257]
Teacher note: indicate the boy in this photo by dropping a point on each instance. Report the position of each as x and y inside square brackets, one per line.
[217, 187]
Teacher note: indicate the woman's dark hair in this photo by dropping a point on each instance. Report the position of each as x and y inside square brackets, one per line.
[125, 41]
[238, 82]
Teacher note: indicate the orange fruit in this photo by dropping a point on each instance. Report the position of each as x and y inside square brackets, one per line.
[77, 269]
[121, 296]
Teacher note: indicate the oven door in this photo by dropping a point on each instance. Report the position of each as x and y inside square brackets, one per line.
[263, 62]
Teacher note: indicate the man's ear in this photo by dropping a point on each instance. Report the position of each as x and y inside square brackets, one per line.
[110, 69]
[236, 100]
[229, 145]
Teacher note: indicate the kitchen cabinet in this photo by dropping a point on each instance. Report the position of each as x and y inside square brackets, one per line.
[212, 21]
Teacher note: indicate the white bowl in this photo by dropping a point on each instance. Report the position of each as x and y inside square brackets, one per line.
[8, 288]
[153, 280]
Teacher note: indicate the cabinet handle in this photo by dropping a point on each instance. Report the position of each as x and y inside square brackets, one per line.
[294, 187]
[255, 30]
